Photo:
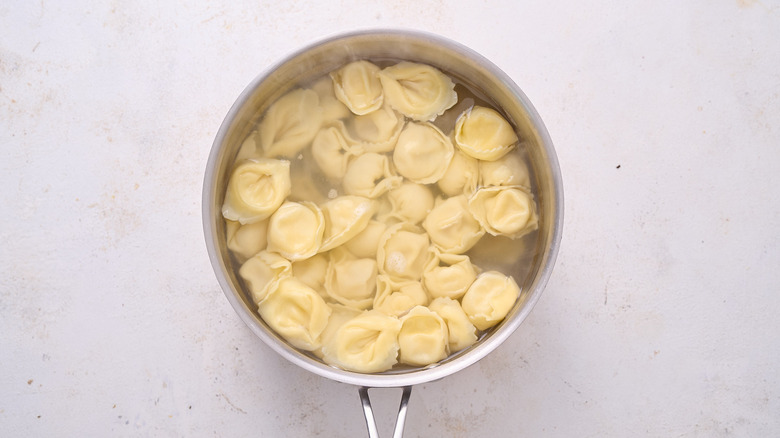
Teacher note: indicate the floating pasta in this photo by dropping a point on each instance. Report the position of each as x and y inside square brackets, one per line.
[246, 240]
[332, 108]
[452, 227]
[332, 151]
[351, 281]
[461, 331]
[345, 217]
[422, 153]
[395, 298]
[484, 134]
[295, 230]
[367, 343]
[410, 202]
[505, 211]
[461, 176]
[370, 175]
[263, 272]
[448, 275]
[403, 252]
[377, 131]
[489, 299]
[290, 124]
[358, 87]
[312, 272]
[365, 243]
[423, 338]
[296, 312]
[255, 190]
[418, 91]
[509, 170]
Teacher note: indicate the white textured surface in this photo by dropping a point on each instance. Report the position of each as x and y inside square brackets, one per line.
[660, 318]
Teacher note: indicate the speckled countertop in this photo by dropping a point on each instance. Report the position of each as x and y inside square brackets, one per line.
[660, 318]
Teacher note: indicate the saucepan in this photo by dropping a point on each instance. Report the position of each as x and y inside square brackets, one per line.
[468, 68]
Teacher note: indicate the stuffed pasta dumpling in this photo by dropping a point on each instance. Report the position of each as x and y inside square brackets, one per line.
[448, 275]
[290, 124]
[312, 272]
[345, 217]
[263, 272]
[367, 343]
[332, 150]
[377, 131]
[461, 331]
[509, 170]
[351, 281]
[297, 313]
[418, 91]
[365, 243]
[255, 190]
[410, 202]
[246, 240]
[295, 230]
[484, 134]
[370, 175]
[395, 298]
[452, 227]
[423, 338]
[422, 153]
[490, 298]
[505, 211]
[461, 176]
[403, 252]
[358, 87]
[332, 108]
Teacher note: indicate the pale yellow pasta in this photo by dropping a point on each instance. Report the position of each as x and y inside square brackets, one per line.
[312, 272]
[403, 252]
[367, 343]
[461, 176]
[255, 190]
[489, 299]
[410, 202]
[246, 240]
[295, 230]
[461, 331]
[332, 150]
[370, 175]
[263, 272]
[332, 108]
[448, 275]
[297, 313]
[505, 211]
[395, 298]
[290, 124]
[418, 91]
[358, 87]
[484, 134]
[509, 170]
[423, 338]
[452, 227]
[345, 217]
[351, 281]
[377, 131]
[339, 315]
[365, 243]
[422, 153]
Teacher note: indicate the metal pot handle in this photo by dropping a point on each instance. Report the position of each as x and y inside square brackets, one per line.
[398, 432]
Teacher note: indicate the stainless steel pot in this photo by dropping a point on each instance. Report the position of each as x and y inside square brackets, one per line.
[461, 63]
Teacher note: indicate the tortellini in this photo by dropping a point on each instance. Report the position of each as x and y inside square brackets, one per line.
[345, 217]
[423, 338]
[296, 312]
[370, 175]
[422, 153]
[489, 299]
[263, 272]
[351, 281]
[246, 240]
[367, 343]
[418, 91]
[452, 227]
[290, 124]
[506, 211]
[379, 238]
[256, 189]
[461, 332]
[358, 87]
[484, 134]
[295, 230]
[448, 275]
[403, 252]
